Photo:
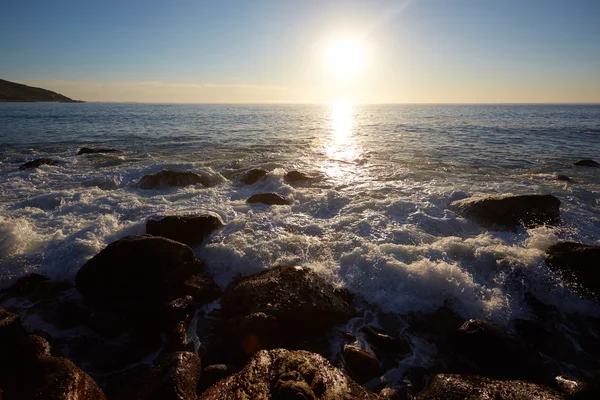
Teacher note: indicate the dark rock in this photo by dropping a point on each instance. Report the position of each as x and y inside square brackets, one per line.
[48, 290]
[586, 163]
[10, 329]
[215, 373]
[137, 274]
[300, 300]
[384, 342]
[167, 178]
[11, 91]
[495, 351]
[268, 198]
[436, 326]
[578, 265]
[176, 338]
[187, 229]
[37, 163]
[70, 314]
[38, 375]
[361, 363]
[563, 178]
[176, 378]
[253, 176]
[87, 150]
[295, 176]
[281, 374]
[25, 285]
[391, 394]
[256, 332]
[511, 211]
[472, 387]
[126, 384]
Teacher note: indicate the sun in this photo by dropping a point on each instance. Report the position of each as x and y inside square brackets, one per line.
[345, 57]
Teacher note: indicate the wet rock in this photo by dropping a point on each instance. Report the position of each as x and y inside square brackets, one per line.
[361, 363]
[38, 375]
[472, 387]
[87, 150]
[257, 331]
[384, 342]
[563, 178]
[188, 229]
[511, 211]
[176, 378]
[578, 265]
[436, 326]
[296, 176]
[391, 394]
[586, 163]
[25, 285]
[137, 274]
[48, 290]
[126, 384]
[300, 300]
[253, 176]
[215, 373]
[268, 198]
[38, 163]
[282, 374]
[10, 329]
[495, 351]
[167, 178]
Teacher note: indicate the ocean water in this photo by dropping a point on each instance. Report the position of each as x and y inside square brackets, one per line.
[376, 221]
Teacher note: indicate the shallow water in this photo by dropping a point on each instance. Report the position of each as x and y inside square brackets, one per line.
[377, 221]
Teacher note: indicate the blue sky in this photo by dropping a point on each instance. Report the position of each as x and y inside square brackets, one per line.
[418, 51]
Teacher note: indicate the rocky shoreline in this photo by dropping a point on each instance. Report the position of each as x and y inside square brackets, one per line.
[144, 319]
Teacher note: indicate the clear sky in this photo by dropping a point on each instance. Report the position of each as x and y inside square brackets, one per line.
[275, 50]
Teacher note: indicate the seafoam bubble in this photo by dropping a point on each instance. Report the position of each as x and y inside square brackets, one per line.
[17, 236]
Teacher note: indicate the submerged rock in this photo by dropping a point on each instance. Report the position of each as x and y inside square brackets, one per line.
[578, 265]
[281, 374]
[87, 150]
[511, 211]
[188, 229]
[166, 178]
[38, 163]
[586, 163]
[175, 378]
[253, 176]
[296, 176]
[473, 387]
[300, 300]
[268, 198]
[137, 274]
[495, 351]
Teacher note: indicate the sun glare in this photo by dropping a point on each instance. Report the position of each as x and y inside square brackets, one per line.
[345, 57]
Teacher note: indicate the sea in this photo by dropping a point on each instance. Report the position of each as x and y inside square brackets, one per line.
[375, 221]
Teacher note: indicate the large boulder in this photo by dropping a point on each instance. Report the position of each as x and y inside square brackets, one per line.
[578, 265]
[281, 374]
[188, 229]
[175, 378]
[38, 163]
[138, 274]
[495, 351]
[87, 150]
[300, 300]
[253, 176]
[511, 211]
[166, 178]
[586, 163]
[269, 199]
[473, 387]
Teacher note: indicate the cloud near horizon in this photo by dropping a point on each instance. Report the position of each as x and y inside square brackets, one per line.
[164, 92]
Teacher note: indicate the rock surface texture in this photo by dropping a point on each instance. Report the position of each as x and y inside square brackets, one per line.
[269, 199]
[166, 178]
[187, 229]
[578, 265]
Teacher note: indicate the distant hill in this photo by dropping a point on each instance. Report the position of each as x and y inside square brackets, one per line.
[11, 91]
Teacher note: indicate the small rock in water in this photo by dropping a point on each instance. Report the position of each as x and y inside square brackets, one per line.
[188, 229]
[253, 176]
[296, 176]
[578, 265]
[473, 387]
[167, 178]
[586, 163]
[268, 198]
[383, 341]
[38, 162]
[282, 374]
[563, 178]
[511, 211]
[87, 150]
[361, 363]
[176, 378]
